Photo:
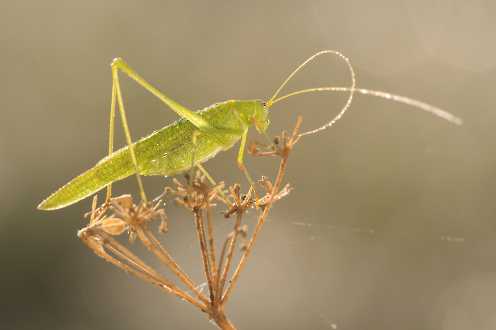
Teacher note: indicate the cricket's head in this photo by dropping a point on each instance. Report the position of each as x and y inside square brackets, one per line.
[254, 112]
[261, 117]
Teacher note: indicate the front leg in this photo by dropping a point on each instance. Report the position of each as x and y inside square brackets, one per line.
[240, 160]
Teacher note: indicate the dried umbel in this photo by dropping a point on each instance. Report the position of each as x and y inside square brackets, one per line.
[196, 193]
[199, 195]
[121, 214]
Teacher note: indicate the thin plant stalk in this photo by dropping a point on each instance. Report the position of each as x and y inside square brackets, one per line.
[154, 246]
[261, 220]
[200, 231]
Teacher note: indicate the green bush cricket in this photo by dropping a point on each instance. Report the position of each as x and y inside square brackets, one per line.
[196, 137]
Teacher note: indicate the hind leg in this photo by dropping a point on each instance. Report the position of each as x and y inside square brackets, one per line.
[117, 99]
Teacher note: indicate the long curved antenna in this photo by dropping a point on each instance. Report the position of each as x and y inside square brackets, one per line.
[397, 98]
[350, 89]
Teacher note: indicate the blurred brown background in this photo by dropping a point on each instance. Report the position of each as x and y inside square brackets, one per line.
[391, 225]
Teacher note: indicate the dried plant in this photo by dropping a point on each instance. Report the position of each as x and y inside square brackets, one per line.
[198, 195]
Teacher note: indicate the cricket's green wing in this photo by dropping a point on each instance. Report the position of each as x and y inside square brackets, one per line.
[108, 170]
[157, 154]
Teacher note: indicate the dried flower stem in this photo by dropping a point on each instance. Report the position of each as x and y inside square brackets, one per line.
[230, 253]
[227, 243]
[211, 243]
[221, 320]
[133, 265]
[154, 246]
[284, 153]
[200, 231]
